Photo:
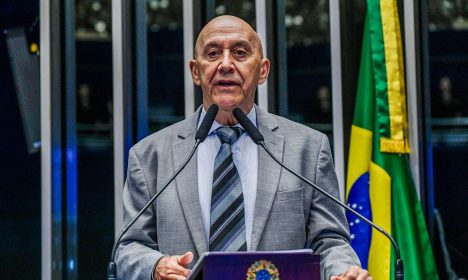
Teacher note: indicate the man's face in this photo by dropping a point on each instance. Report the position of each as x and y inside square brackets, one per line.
[228, 64]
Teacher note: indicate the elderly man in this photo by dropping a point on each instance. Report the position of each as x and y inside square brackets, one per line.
[231, 196]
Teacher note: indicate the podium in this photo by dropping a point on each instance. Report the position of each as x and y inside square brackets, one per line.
[259, 265]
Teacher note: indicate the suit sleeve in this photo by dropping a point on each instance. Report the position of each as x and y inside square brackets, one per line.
[327, 225]
[137, 252]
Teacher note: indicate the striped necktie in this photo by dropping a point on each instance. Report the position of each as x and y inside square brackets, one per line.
[227, 221]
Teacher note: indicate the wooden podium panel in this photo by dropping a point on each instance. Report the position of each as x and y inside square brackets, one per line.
[284, 265]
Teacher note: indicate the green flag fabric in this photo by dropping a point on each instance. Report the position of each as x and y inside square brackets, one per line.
[379, 182]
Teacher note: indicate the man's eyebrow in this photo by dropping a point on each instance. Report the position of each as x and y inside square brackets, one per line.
[245, 44]
[210, 45]
[241, 43]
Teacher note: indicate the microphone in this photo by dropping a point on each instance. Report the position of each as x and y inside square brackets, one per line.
[258, 139]
[251, 130]
[200, 136]
[205, 126]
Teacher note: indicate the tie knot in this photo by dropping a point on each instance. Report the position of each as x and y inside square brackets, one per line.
[229, 134]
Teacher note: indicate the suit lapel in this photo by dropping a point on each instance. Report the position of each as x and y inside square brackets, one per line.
[268, 174]
[187, 183]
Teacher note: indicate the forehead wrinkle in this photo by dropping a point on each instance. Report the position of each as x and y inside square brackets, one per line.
[220, 43]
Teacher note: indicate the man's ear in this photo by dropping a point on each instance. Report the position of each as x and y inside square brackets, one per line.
[194, 71]
[264, 70]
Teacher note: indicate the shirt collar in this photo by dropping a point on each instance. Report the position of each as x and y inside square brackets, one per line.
[252, 115]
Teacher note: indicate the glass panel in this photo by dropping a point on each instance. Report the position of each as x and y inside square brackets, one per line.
[448, 63]
[243, 9]
[20, 164]
[165, 63]
[94, 129]
[309, 64]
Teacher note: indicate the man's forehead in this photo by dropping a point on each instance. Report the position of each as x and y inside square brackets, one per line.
[220, 33]
[227, 28]
[231, 38]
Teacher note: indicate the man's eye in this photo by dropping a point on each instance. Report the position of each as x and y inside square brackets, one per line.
[240, 53]
[212, 54]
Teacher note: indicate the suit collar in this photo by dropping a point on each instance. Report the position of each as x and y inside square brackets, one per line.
[265, 121]
[188, 127]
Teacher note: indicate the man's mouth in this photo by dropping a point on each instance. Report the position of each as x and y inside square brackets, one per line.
[227, 83]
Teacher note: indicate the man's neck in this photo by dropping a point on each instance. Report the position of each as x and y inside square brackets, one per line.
[251, 115]
[226, 118]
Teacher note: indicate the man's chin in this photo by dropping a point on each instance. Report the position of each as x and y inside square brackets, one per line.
[227, 105]
[226, 109]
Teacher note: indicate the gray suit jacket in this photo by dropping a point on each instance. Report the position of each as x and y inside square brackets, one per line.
[288, 214]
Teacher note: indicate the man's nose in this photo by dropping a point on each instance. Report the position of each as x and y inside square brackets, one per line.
[226, 64]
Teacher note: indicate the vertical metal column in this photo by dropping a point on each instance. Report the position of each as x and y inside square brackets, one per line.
[58, 141]
[335, 45]
[46, 141]
[189, 88]
[118, 109]
[122, 98]
[261, 21]
[411, 89]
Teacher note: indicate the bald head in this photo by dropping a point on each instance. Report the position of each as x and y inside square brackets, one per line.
[227, 24]
[228, 66]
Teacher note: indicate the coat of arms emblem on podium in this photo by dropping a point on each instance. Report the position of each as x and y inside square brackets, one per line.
[262, 270]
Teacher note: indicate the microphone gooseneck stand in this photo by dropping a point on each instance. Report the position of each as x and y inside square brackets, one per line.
[258, 139]
[111, 269]
[398, 262]
[200, 136]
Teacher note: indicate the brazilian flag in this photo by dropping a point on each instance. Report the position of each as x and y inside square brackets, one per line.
[379, 183]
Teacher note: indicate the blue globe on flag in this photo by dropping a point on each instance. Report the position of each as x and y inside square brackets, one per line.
[360, 232]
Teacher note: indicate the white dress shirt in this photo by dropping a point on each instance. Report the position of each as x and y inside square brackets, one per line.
[245, 156]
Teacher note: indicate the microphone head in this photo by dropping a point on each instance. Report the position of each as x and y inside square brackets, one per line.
[251, 130]
[205, 126]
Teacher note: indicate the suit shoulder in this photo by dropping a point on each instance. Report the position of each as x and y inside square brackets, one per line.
[291, 128]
